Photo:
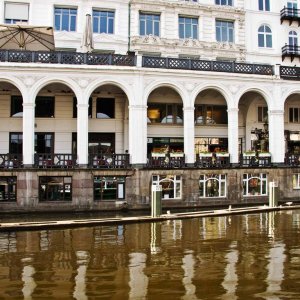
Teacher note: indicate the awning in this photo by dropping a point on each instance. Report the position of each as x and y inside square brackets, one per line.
[26, 37]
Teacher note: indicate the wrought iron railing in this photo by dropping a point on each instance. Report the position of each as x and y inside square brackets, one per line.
[212, 161]
[291, 73]
[62, 57]
[47, 160]
[109, 161]
[10, 161]
[206, 65]
[255, 161]
[287, 13]
[292, 159]
[166, 160]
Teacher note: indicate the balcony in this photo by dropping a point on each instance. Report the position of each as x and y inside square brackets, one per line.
[255, 160]
[109, 161]
[212, 160]
[62, 57]
[166, 160]
[291, 51]
[47, 160]
[206, 65]
[290, 14]
[11, 161]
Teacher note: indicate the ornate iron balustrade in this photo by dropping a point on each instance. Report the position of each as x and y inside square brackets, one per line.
[11, 161]
[292, 160]
[212, 161]
[290, 14]
[109, 161]
[206, 65]
[255, 161]
[46, 160]
[166, 160]
[290, 51]
[291, 73]
[62, 57]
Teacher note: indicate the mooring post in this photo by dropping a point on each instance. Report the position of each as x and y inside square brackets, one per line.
[156, 195]
[273, 194]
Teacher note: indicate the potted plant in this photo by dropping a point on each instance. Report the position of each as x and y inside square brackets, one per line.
[222, 154]
[264, 154]
[205, 154]
[249, 153]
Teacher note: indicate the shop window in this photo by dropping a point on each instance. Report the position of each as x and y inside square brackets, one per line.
[294, 116]
[165, 113]
[109, 188]
[16, 106]
[296, 181]
[211, 145]
[105, 108]
[55, 188]
[213, 185]
[90, 109]
[8, 189]
[171, 185]
[44, 107]
[211, 114]
[262, 114]
[255, 184]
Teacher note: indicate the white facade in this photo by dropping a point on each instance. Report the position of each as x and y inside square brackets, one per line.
[133, 88]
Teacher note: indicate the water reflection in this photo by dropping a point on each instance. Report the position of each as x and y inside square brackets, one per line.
[237, 257]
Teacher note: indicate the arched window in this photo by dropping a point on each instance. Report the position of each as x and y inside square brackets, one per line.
[293, 38]
[213, 185]
[264, 36]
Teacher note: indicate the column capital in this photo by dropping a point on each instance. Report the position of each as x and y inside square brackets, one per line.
[276, 112]
[233, 110]
[137, 107]
[189, 108]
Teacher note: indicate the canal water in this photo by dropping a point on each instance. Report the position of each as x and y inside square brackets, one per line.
[255, 256]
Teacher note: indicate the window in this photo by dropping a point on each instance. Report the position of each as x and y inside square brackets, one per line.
[293, 39]
[101, 143]
[16, 106]
[296, 181]
[103, 21]
[8, 189]
[165, 113]
[15, 143]
[55, 188]
[109, 188]
[44, 107]
[16, 12]
[264, 37]
[224, 2]
[149, 24]
[212, 185]
[105, 108]
[262, 114]
[43, 142]
[294, 115]
[292, 6]
[90, 109]
[188, 28]
[264, 5]
[211, 114]
[171, 185]
[65, 19]
[224, 31]
[255, 184]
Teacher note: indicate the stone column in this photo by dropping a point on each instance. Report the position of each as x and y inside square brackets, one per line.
[189, 135]
[82, 134]
[138, 135]
[28, 134]
[276, 135]
[233, 135]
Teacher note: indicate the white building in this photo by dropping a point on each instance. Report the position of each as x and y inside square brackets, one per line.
[166, 81]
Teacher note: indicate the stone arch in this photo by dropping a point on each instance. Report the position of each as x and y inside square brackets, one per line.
[17, 83]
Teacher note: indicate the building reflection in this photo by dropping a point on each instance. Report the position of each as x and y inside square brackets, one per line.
[188, 265]
[138, 281]
[29, 284]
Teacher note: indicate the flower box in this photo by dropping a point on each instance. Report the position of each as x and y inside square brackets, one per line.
[158, 154]
[176, 154]
[249, 154]
[205, 154]
[264, 154]
[222, 154]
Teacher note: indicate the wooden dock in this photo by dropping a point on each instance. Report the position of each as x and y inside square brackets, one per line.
[62, 224]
